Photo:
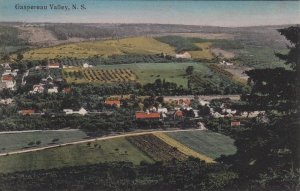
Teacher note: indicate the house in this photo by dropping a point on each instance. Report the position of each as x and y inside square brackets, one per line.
[53, 90]
[38, 88]
[178, 115]
[8, 82]
[162, 110]
[6, 101]
[6, 66]
[86, 65]
[67, 90]
[26, 112]
[184, 55]
[225, 63]
[53, 65]
[82, 111]
[7, 78]
[235, 123]
[48, 79]
[145, 115]
[113, 103]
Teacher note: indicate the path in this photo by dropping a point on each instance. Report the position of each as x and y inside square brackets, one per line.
[93, 139]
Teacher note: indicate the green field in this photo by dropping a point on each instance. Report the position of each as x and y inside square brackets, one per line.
[171, 72]
[135, 45]
[18, 141]
[118, 149]
[209, 143]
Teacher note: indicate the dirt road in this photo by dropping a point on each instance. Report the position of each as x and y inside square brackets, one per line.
[89, 140]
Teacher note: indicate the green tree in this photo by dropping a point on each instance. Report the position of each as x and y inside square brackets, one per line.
[271, 147]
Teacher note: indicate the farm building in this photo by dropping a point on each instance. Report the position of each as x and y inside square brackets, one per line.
[53, 65]
[38, 88]
[53, 90]
[235, 123]
[67, 90]
[25, 112]
[145, 115]
[184, 55]
[113, 103]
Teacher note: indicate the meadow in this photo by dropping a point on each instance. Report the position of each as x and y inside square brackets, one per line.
[17, 141]
[171, 72]
[209, 143]
[117, 149]
[104, 48]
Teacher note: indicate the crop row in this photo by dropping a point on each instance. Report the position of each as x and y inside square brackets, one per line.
[157, 149]
[102, 76]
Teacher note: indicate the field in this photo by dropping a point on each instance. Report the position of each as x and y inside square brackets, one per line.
[205, 145]
[171, 72]
[96, 75]
[183, 148]
[136, 45]
[204, 52]
[17, 141]
[156, 148]
[118, 149]
[209, 143]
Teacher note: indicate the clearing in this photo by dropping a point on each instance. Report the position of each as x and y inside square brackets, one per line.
[209, 143]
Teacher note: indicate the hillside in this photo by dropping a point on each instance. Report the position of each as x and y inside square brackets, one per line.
[136, 45]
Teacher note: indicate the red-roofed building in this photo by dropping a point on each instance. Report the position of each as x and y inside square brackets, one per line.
[143, 115]
[26, 112]
[235, 123]
[67, 90]
[7, 78]
[53, 65]
[178, 115]
[113, 103]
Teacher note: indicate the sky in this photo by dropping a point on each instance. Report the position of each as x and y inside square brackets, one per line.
[214, 13]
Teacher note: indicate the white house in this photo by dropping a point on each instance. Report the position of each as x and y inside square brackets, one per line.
[226, 63]
[38, 88]
[82, 111]
[86, 65]
[6, 101]
[162, 110]
[53, 90]
[185, 55]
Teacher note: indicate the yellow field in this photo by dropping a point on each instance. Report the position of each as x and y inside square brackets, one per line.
[136, 45]
[182, 148]
[205, 53]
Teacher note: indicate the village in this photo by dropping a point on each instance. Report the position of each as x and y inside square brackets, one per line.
[167, 109]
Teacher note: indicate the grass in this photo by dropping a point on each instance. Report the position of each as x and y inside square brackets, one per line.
[183, 148]
[118, 149]
[209, 143]
[171, 72]
[204, 52]
[135, 45]
[18, 141]
[260, 57]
